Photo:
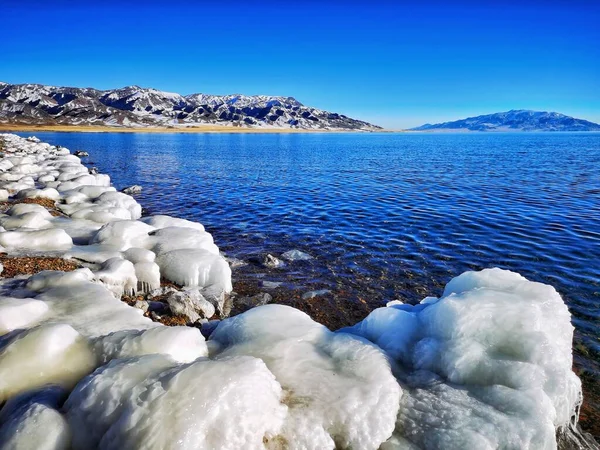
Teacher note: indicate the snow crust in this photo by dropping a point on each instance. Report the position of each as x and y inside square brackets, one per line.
[487, 365]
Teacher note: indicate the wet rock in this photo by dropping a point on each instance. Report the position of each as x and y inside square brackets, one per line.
[222, 302]
[272, 262]
[81, 153]
[235, 263]
[296, 255]
[163, 290]
[142, 304]
[93, 170]
[131, 190]
[271, 284]
[158, 307]
[245, 303]
[313, 294]
[190, 304]
[181, 305]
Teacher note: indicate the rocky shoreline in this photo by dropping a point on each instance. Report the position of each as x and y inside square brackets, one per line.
[87, 284]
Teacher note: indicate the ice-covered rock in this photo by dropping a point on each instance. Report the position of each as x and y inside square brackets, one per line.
[150, 400]
[182, 344]
[48, 239]
[18, 313]
[48, 354]
[192, 267]
[33, 421]
[340, 390]
[489, 364]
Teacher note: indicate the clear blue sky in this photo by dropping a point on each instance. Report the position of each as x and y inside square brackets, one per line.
[398, 64]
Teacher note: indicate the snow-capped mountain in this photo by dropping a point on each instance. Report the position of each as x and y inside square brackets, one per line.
[515, 120]
[134, 106]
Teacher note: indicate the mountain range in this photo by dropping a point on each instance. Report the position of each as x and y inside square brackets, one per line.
[133, 106]
[515, 120]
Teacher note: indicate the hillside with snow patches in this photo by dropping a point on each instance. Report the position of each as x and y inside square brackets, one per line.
[133, 106]
[515, 120]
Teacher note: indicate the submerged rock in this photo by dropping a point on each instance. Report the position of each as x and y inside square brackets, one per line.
[313, 294]
[296, 255]
[245, 303]
[131, 190]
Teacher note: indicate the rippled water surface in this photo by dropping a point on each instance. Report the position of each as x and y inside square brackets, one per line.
[386, 216]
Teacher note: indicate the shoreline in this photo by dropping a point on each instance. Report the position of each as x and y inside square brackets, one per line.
[312, 374]
[7, 128]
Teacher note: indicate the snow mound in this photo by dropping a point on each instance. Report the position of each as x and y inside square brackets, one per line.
[489, 364]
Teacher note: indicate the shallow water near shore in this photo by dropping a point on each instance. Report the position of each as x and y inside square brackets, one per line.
[384, 216]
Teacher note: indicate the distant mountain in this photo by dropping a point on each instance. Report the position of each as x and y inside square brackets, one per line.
[133, 106]
[515, 120]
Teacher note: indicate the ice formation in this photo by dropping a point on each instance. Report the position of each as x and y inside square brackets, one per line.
[488, 365]
[485, 366]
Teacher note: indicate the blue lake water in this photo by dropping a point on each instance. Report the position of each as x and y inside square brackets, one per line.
[386, 216]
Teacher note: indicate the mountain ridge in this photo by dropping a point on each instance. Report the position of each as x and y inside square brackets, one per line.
[135, 106]
[514, 120]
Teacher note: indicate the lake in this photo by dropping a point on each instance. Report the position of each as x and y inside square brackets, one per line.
[384, 216]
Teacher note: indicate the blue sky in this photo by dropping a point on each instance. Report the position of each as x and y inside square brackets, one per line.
[397, 64]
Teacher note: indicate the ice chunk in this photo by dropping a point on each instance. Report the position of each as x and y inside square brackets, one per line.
[20, 313]
[176, 238]
[62, 357]
[50, 239]
[182, 344]
[339, 389]
[488, 365]
[123, 234]
[148, 276]
[189, 267]
[160, 221]
[231, 403]
[99, 399]
[32, 421]
[118, 275]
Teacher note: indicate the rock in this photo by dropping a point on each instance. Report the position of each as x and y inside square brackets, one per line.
[235, 263]
[216, 295]
[157, 307]
[245, 303]
[1, 268]
[296, 255]
[163, 290]
[271, 284]
[190, 304]
[313, 294]
[93, 170]
[142, 304]
[81, 153]
[272, 262]
[131, 190]
[181, 305]
[33, 139]
[3, 195]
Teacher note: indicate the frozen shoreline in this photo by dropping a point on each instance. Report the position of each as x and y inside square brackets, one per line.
[488, 365]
